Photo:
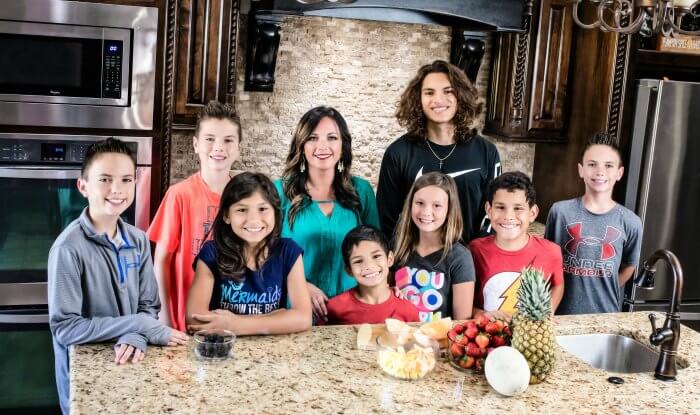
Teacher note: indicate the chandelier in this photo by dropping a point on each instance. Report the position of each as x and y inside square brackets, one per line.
[644, 16]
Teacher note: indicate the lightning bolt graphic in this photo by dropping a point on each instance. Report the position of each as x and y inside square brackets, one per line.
[510, 297]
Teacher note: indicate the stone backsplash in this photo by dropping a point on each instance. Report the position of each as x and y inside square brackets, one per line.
[358, 67]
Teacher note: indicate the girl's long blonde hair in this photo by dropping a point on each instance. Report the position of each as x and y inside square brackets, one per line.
[407, 234]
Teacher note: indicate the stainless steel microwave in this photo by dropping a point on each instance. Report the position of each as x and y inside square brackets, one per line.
[77, 64]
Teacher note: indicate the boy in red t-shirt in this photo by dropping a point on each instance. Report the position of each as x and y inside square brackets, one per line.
[367, 258]
[188, 208]
[499, 258]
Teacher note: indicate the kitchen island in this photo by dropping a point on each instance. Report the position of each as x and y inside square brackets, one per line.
[321, 372]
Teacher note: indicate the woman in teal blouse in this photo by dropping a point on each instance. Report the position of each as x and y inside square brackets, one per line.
[322, 201]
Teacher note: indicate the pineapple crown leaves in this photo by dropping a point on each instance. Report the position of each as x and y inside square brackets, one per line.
[534, 300]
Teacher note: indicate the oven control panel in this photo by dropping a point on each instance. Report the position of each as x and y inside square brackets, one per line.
[17, 151]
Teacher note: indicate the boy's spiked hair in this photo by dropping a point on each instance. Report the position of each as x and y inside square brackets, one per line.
[359, 234]
[218, 111]
[512, 181]
[603, 139]
[109, 145]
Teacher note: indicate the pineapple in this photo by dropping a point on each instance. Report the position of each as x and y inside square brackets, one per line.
[533, 333]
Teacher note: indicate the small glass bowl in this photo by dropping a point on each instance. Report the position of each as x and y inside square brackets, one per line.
[214, 344]
[409, 360]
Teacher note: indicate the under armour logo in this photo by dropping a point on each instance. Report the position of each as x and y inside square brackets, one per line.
[607, 250]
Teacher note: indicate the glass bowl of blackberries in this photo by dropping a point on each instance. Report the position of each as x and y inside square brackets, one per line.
[214, 344]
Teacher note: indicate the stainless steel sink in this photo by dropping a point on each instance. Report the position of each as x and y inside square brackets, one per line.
[611, 352]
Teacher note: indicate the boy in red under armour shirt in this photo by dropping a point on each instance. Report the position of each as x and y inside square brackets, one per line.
[367, 258]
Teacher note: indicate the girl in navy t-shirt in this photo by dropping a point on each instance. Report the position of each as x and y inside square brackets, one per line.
[247, 275]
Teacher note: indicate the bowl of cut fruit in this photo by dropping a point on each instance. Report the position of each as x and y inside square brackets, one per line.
[406, 353]
[214, 344]
[469, 343]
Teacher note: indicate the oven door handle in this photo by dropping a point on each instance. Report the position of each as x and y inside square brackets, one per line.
[39, 172]
[24, 318]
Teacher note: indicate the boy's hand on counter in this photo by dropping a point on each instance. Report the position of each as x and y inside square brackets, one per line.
[177, 338]
[125, 351]
[494, 314]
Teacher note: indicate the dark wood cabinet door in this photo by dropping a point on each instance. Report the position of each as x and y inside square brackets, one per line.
[551, 67]
[204, 55]
[528, 91]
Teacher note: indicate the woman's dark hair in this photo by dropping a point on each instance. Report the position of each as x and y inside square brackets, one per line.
[230, 247]
[294, 178]
[410, 113]
[359, 234]
[512, 181]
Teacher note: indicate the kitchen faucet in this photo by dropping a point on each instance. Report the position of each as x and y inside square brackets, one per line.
[668, 335]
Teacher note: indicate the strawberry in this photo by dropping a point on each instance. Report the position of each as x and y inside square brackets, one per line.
[470, 323]
[498, 341]
[479, 364]
[482, 320]
[456, 350]
[492, 328]
[458, 329]
[463, 340]
[466, 362]
[483, 352]
[482, 340]
[452, 334]
[500, 324]
[471, 332]
[506, 331]
[473, 350]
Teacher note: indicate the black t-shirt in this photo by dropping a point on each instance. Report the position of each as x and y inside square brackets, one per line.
[427, 282]
[259, 292]
[472, 165]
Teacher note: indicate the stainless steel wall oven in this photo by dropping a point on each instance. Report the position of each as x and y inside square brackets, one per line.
[77, 64]
[38, 198]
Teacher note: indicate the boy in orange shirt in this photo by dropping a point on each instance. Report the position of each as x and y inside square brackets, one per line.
[187, 211]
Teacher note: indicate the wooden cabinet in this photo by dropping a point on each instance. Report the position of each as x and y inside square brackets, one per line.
[200, 55]
[200, 47]
[528, 92]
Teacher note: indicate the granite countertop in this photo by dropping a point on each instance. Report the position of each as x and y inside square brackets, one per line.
[320, 371]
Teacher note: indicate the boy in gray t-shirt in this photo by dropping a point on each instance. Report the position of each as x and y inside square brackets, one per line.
[100, 277]
[600, 239]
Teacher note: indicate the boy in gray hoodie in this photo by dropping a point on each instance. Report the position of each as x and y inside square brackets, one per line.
[101, 283]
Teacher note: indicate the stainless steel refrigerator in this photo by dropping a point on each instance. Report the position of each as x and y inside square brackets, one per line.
[663, 188]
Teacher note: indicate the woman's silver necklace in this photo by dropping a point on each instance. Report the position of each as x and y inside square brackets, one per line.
[436, 156]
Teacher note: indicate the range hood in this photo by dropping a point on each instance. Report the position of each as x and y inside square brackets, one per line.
[477, 15]
[470, 20]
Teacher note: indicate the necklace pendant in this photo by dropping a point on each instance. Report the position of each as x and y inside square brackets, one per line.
[440, 165]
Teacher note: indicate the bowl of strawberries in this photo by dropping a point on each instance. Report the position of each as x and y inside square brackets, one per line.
[469, 342]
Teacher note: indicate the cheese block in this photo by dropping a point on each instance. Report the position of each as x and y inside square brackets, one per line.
[437, 330]
[364, 337]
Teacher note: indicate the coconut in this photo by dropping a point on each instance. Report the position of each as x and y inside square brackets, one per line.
[507, 371]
